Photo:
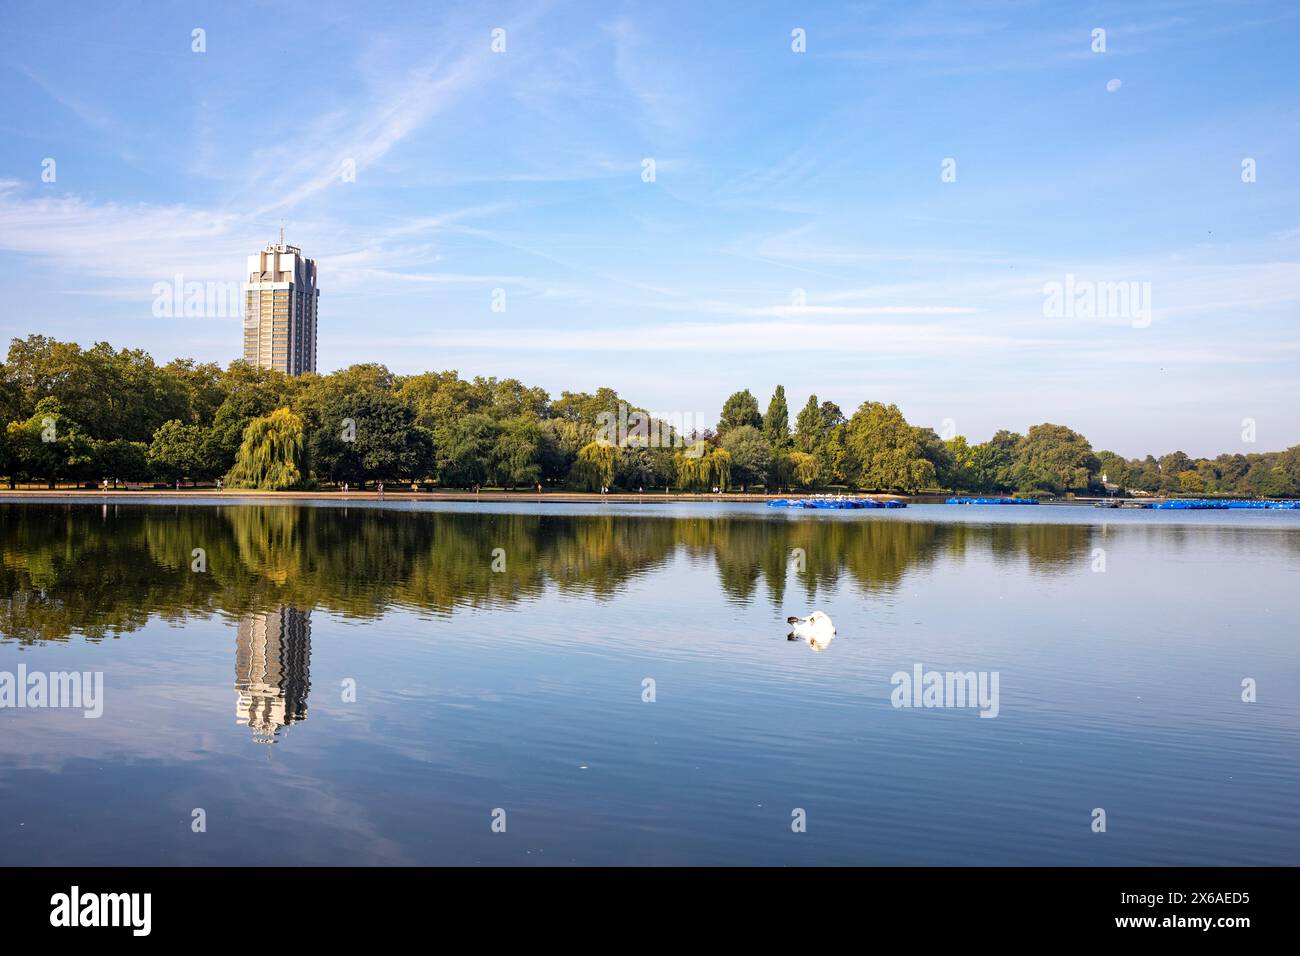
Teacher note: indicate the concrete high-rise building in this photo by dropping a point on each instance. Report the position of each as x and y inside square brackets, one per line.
[280, 310]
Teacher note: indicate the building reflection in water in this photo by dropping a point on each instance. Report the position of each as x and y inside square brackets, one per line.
[272, 670]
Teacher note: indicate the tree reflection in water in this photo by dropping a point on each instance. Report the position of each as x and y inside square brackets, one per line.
[103, 570]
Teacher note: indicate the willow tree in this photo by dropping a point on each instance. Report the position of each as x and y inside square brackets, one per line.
[594, 468]
[692, 467]
[720, 468]
[805, 467]
[703, 467]
[271, 456]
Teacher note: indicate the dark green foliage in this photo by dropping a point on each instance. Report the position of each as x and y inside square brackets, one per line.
[74, 414]
[739, 410]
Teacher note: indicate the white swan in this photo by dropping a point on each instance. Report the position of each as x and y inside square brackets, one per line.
[816, 630]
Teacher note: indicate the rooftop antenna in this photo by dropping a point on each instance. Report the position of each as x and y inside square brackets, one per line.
[281, 232]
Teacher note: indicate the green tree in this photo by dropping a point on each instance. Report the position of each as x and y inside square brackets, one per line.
[108, 393]
[463, 450]
[810, 431]
[780, 469]
[992, 463]
[776, 423]
[703, 467]
[440, 398]
[886, 451]
[177, 451]
[835, 457]
[641, 467]
[961, 464]
[198, 387]
[561, 439]
[936, 451]
[739, 410]
[751, 457]
[47, 445]
[10, 398]
[1232, 469]
[1191, 482]
[692, 471]
[251, 393]
[805, 468]
[112, 405]
[1289, 463]
[1146, 477]
[585, 408]
[1171, 466]
[369, 435]
[1114, 467]
[121, 460]
[595, 466]
[719, 468]
[513, 399]
[1054, 458]
[1210, 478]
[832, 417]
[315, 396]
[517, 454]
[271, 455]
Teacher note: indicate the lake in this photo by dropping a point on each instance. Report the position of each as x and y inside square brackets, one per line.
[418, 683]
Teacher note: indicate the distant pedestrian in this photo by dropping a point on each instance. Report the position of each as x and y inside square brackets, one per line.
[381, 490]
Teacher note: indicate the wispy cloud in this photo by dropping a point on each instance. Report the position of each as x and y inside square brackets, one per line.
[782, 178]
[363, 137]
[94, 117]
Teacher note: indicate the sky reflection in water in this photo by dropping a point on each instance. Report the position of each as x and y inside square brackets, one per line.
[522, 688]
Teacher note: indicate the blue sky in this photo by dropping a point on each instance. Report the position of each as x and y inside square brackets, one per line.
[775, 171]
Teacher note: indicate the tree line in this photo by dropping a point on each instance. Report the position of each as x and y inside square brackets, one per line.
[86, 415]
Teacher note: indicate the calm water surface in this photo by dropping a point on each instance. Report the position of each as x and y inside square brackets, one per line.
[521, 687]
